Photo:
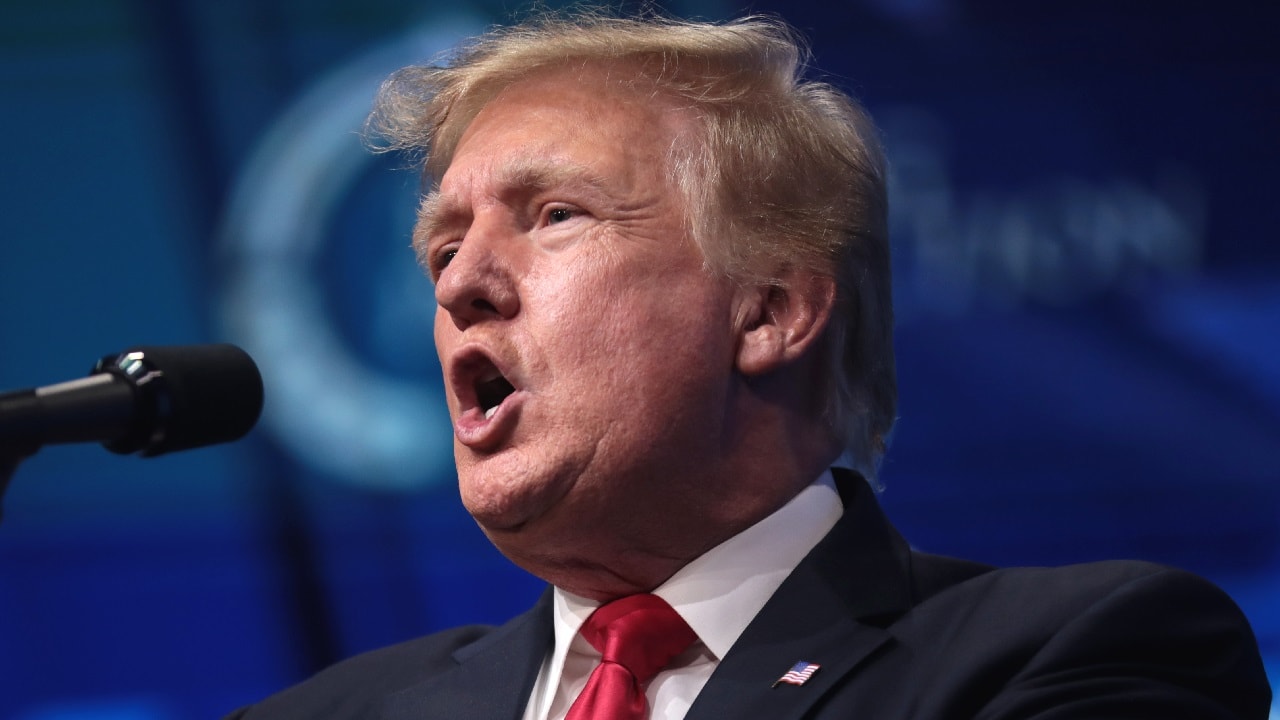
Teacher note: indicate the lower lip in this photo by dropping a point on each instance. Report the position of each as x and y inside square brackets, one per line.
[478, 432]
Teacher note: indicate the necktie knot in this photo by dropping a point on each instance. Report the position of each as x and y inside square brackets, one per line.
[637, 636]
[639, 632]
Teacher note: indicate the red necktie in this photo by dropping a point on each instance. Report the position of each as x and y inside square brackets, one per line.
[637, 636]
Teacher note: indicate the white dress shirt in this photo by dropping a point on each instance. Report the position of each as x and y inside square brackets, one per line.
[718, 594]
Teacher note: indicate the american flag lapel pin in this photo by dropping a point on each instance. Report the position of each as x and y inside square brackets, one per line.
[799, 674]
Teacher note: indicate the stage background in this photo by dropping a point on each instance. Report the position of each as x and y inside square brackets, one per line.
[1087, 276]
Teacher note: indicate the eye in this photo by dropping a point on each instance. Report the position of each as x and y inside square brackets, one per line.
[558, 215]
[441, 260]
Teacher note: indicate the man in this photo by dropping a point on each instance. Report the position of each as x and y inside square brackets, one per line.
[661, 262]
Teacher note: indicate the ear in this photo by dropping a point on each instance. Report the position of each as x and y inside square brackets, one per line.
[777, 324]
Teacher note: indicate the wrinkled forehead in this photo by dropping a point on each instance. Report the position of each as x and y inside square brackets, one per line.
[626, 80]
[584, 138]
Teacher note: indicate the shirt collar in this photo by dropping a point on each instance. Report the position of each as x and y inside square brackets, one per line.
[720, 592]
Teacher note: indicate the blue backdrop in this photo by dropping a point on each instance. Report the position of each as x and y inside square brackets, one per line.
[1087, 278]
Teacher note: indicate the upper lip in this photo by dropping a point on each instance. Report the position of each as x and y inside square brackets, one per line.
[470, 368]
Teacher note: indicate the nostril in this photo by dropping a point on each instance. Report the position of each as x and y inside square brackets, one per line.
[483, 305]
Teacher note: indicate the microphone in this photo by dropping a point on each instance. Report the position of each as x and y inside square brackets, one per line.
[149, 400]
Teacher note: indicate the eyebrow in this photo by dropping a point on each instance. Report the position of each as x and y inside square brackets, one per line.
[427, 224]
[519, 176]
[524, 174]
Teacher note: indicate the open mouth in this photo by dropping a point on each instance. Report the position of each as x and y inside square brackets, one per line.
[483, 387]
[491, 389]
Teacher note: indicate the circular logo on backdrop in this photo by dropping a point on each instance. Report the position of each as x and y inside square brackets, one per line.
[320, 284]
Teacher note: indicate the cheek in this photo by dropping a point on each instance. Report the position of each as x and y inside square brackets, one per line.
[662, 347]
[445, 337]
[582, 321]
[566, 298]
[642, 333]
[440, 330]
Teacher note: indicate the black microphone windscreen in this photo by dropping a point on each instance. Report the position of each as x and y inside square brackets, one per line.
[208, 394]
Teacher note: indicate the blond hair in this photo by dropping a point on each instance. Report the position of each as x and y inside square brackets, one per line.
[788, 176]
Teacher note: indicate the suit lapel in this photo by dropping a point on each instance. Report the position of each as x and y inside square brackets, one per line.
[830, 611]
[493, 678]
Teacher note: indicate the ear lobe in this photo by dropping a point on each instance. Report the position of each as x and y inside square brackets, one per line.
[779, 323]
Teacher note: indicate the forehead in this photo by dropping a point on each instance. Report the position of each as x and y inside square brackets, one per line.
[594, 137]
[601, 114]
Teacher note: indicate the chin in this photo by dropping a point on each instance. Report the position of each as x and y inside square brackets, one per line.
[506, 501]
[496, 513]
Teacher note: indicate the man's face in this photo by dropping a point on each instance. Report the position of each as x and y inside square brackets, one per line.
[587, 353]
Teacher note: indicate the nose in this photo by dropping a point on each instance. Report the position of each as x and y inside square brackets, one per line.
[479, 285]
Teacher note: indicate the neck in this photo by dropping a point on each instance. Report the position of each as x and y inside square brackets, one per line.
[776, 455]
[771, 445]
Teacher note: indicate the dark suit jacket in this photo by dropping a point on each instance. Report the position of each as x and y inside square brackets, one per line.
[898, 634]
